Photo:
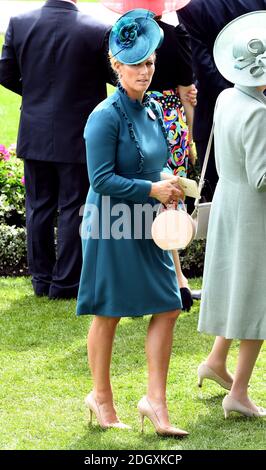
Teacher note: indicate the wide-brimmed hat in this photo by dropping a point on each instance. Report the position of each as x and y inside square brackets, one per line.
[134, 37]
[240, 50]
[158, 6]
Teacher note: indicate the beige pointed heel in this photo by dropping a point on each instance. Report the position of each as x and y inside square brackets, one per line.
[229, 404]
[146, 410]
[141, 422]
[90, 420]
[205, 372]
[94, 408]
[226, 413]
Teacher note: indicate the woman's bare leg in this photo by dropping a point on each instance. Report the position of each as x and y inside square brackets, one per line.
[181, 278]
[158, 350]
[218, 357]
[248, 353]
[100, 344]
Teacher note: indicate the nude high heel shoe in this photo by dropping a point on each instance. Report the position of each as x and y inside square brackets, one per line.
[229, 404]
[205, 372]
[94, 407]
[145, 409]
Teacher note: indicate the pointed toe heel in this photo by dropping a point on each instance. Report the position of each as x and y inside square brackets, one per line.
[205, 372]
[229, 404]
[94, 408]
[90, 418]
[200, 380]
[146, 410]
[141, 416]
[226, 413]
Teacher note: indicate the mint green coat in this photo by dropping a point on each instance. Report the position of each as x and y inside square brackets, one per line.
[234, 283]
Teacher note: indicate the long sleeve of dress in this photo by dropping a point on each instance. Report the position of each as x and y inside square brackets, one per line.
[255, 149]
[101, 136]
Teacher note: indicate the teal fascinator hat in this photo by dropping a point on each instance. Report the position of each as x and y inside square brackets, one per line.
[135, 36]
[240, 50]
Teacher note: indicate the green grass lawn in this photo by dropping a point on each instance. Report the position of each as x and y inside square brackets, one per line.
[45, 378]
[9, 116]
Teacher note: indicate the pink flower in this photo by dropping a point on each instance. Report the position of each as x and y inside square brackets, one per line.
[4, 154]
[23, 180]
[12, 149]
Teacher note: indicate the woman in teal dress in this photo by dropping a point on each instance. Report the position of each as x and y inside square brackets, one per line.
[234, 280]
[124, 273]
[177, 95]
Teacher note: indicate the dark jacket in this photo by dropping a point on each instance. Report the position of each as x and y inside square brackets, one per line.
[173, 59]
[55, 58]
[204, 19]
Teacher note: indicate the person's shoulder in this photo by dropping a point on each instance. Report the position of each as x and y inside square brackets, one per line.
[34, 13]
[104, 111]
[106, 106]
[171, 33]
[201, 10]
[197, 5]
[166, 27]
[192, 6]
[228, 94]
[236, 98]
[96, 24]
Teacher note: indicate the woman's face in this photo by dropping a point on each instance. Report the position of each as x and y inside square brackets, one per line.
[136, 79]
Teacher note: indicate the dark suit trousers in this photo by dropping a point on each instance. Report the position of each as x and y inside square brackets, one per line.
[55, 193]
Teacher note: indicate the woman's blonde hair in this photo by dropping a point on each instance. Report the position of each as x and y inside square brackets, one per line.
[113, 61]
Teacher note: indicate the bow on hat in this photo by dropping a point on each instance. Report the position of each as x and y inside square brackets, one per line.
[254, 53]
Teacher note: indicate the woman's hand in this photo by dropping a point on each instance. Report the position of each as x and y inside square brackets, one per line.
[167, 191]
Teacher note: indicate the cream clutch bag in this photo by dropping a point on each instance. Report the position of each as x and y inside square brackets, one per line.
[172, 229]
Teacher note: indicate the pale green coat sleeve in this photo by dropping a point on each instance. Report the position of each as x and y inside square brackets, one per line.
[254, 138]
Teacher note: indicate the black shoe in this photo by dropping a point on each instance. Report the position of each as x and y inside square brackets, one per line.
[187, 299]
[63, 293]
[41, 293]
[196, 294]
[41, 289]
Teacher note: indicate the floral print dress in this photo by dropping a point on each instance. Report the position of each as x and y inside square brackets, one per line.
[177, 129]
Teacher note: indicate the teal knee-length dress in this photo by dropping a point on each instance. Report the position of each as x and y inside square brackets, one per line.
[124, 274]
